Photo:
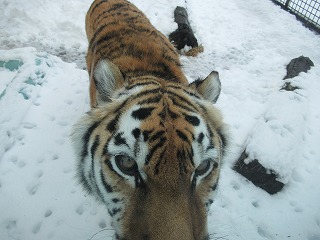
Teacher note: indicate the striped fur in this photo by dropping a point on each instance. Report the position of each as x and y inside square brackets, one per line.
[151, 147]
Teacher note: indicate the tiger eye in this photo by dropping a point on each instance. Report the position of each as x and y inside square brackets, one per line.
[203, 168]
[126, 164]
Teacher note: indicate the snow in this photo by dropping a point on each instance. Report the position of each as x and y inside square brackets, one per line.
[248, 41]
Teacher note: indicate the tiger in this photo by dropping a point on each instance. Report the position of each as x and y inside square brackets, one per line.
[151, 146]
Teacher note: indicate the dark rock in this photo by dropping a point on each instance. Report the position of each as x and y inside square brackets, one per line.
[258, 174]
[181, 16]
[183, 36]
[298, 65]
[288, 87]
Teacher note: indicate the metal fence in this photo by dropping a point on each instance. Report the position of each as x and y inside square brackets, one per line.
[307, 11]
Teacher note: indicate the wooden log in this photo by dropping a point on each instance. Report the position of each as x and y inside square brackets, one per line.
[183, 36]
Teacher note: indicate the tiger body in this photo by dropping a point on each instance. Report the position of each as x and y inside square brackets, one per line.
[117, 30]
[150, 149]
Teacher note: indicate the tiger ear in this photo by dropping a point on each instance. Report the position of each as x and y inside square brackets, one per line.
[107, 79]
[209, 88]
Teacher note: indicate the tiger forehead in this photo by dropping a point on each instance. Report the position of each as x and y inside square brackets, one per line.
[170, 103]
[149, 91]
[163, 85]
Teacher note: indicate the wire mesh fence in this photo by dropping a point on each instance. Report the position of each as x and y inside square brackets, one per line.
[306, 10]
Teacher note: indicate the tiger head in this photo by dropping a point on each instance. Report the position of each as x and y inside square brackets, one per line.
[151, 152]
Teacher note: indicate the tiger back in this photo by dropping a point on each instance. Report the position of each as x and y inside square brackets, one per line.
[150, 149]
[119, 32]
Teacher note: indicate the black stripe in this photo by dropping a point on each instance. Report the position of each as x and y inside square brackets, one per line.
[136, 148]
[119, 109]
[91, 174]
[120, 35]
[146, 92]
[181, 156]
[203, 108]
[166, 69]
[94, 146]
[119, 140]
[126, 29]
[116, 6]
[106, 186]
[209, 130]
[156, 168]
[134, 97]
[149, 100]
[131, 20]
[154, 149]
[190, 132]
[146, 135]
[182, 99]
[142, 84]
[141, 29]
[170, 59]
[111, 126]
[139, 181]
[156, 136]
[163, 115]
[192, 120]
[215, 165]
[172, 114]
[136, 133]
[208, 203]
[110, 53]
[182, 135]
[124, 12]
[210, 146]
[115, 200]
[84, 181]
[200, 138]
[97, 5]
[99, 30]
[190, 155]
[86, 138]
[192, 94]
[108, 12]
[93, 181]
[133, 51]
[183, 106]
[214, 187]
[157, 73]
[148, 79]
[114, 211]
[142, 113]
[117, 34]
[223, 138]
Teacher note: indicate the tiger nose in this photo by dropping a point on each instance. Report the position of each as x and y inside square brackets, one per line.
[171, 219]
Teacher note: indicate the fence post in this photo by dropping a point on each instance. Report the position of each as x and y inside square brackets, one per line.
[287, 4]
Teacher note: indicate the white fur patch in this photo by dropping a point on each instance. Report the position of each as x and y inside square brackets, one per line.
[200, 150]
[126, 125]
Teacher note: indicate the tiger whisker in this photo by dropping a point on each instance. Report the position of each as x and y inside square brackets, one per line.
[102, 230]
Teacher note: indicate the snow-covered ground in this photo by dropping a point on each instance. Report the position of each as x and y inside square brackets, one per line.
[248, 41]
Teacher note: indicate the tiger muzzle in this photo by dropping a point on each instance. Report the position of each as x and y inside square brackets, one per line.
[167, 215]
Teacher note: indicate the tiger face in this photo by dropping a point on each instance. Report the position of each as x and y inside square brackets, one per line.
[151, 147]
